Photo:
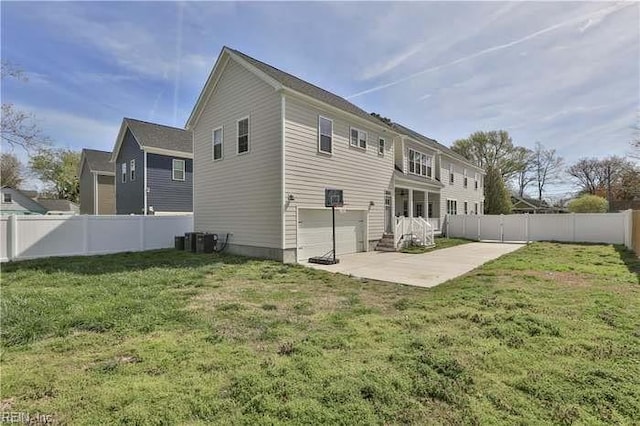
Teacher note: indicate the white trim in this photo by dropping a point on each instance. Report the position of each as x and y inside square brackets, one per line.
[248, 135]
[167, 152]
[427, 157]
[321, 117]
[359, 133]
[123, 172]
[144, 182]
[452, 176]
[213, 143]
[120, 138]
[173, 169]
[102, 173]
[95, 194]
[384, 145]
[447, 209]
[283, 201]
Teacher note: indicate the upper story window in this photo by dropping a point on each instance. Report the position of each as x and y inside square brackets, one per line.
[124, 172]
[419, 163]
[476, 208]
[177, 172]
[243, 135]
[132, 170]
[465, 181]
[466, 207]
[475, 183]
[451, 176]
[325, 135]
[358, 138]
[216, 137]
[6, 197]
[381, 145]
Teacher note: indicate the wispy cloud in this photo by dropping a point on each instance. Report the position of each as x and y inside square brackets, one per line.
[600, 14]
[380, 68]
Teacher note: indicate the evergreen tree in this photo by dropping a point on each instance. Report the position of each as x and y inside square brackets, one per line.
[496, 197]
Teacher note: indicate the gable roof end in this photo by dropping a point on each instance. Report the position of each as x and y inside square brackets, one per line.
[155, 138]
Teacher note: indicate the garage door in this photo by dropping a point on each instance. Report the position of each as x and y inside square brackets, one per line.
[314, 232]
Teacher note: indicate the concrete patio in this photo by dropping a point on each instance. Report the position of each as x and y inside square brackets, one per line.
[422, 270]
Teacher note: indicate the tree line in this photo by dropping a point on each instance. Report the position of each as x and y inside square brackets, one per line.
[55, 167]
[515, 169]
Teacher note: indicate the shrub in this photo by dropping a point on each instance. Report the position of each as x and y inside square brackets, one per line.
[588, 204]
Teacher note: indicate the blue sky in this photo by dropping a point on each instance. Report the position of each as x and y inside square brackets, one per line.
[564, 73]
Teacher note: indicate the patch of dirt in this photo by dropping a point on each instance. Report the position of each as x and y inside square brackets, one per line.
[7, 404]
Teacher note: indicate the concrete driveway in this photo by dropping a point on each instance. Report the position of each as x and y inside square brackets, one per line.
[422, 270]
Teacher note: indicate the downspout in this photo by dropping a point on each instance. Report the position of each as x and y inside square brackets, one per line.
[145, 181]
[283, 198]
[95, 193]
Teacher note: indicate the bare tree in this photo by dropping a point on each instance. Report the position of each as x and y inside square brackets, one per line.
[524, 176]
[547, 167]
[18, 127]
[586, 172]
[10, 170]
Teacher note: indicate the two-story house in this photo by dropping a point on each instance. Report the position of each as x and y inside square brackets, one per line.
[267, 144]
[153, 169]
[97, 183]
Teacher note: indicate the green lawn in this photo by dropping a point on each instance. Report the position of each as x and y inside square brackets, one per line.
[440, 243]
[547, 334]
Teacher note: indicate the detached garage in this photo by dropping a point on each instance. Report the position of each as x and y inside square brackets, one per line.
[314, 232]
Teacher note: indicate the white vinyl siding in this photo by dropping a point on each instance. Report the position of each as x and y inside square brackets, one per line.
[216, 140]
[242, 193]
[363, 175]
[243, 135]
[132, 170]
[177, 169]
[358, 138]
[456, 190]
[325, 135]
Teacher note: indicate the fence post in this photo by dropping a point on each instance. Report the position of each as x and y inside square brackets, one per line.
[464, 226]
[85, 234]
[141, 231]
[446, 218]
[573, 226]
[12, 231]
[502, 228]
[628, 229]
[478, 217]
[526, 226]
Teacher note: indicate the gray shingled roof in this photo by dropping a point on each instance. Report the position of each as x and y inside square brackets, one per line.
[432, 142]
[154, 135]
[301, 86]
[98, 161]
[51, 204]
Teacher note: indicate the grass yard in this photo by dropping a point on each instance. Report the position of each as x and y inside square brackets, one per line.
[547, 334]
[440, 243]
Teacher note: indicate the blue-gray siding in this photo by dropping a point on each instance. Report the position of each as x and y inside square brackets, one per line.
[130, 195]
[166, 194]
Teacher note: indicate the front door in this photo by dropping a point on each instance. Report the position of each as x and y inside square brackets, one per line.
[388, 214]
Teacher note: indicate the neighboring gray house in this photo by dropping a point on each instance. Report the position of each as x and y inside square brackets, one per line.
[153, 168]
[97, 183]
[267, 145]
[15, 201]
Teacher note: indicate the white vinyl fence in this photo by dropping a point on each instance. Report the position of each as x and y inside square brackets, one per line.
[610, 228]
[28, 237]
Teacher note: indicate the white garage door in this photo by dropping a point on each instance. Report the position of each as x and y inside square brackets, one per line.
[314, 232]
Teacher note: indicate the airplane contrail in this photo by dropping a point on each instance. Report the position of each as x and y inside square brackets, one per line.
[605, 12]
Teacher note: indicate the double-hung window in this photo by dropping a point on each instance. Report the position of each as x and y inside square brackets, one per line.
[466, 207]
[476, 208]
[381, 145]
[124, 172]
[132, 170]
[358, 138]
[476, 183]
[216, 138]
[452, 207]
[419, 163]
[325, 135]
[177, 172]
[243, 135]
[451, 176]
[6, 197]
[464, 178]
